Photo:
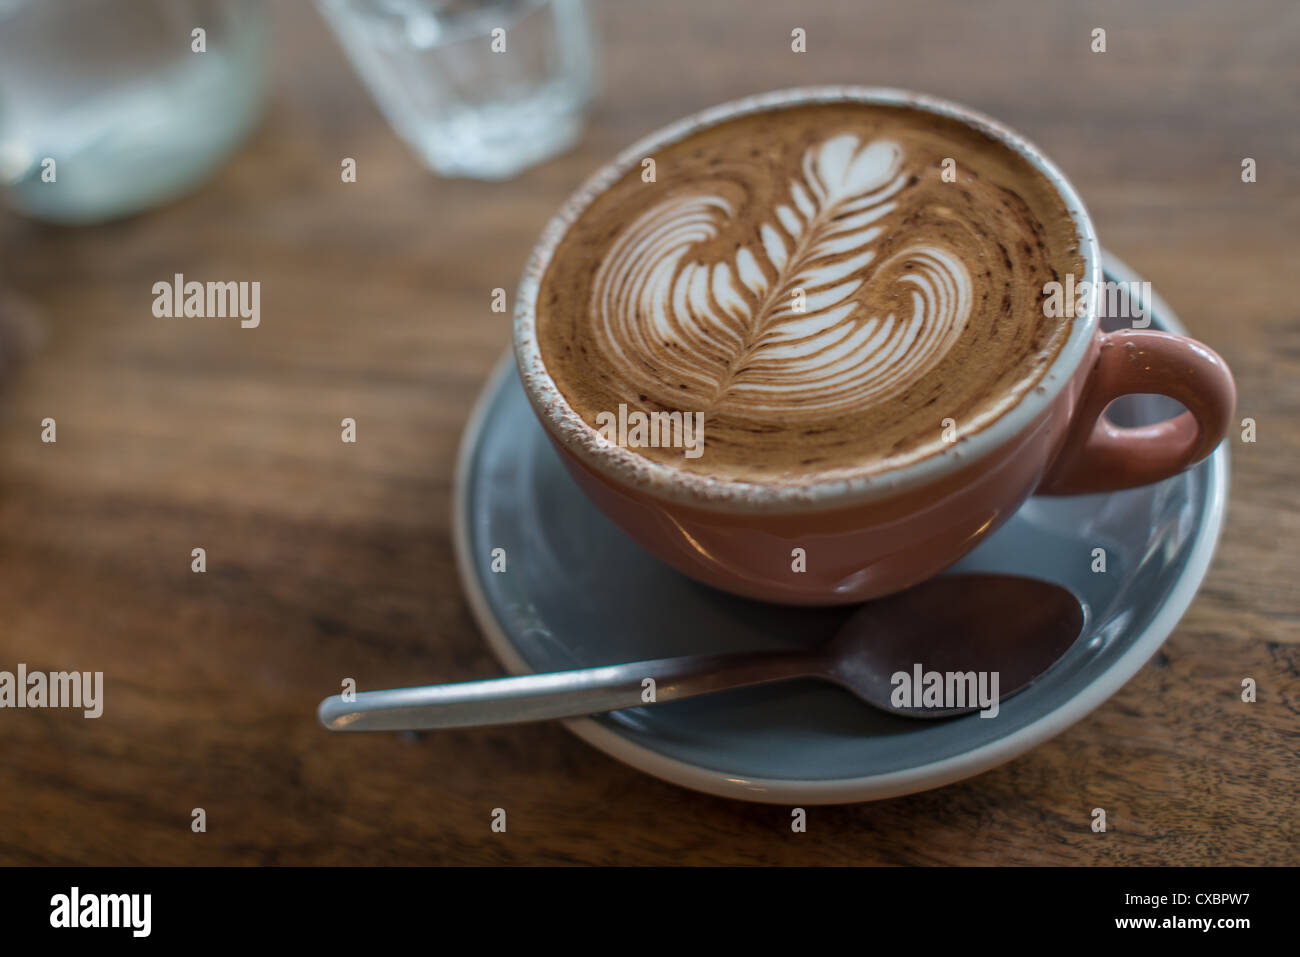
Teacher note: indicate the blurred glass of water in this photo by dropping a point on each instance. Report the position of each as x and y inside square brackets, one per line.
[106, 106]
[478, 88]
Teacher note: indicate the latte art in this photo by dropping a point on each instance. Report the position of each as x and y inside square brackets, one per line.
[783, 318]
[810, 282]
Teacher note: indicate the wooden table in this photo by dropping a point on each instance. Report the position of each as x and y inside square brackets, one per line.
[326, 559]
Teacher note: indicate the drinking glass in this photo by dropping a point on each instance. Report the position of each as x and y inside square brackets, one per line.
[110, 106]
[478, 89]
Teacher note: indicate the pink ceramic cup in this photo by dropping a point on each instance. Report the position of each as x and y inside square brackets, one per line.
[867, 537]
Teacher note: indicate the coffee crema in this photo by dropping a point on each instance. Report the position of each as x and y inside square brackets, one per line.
[807, 279]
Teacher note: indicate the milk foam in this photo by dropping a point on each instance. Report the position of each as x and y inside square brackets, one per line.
[781, 318]
[810, 283]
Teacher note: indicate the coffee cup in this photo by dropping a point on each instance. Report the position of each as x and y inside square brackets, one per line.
[788, 521]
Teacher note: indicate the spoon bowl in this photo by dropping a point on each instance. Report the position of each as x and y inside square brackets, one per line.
[985, 624]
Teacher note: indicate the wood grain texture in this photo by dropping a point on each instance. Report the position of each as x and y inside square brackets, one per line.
[328, 559]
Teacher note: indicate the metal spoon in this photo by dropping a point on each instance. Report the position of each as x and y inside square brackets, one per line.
[1014, 627]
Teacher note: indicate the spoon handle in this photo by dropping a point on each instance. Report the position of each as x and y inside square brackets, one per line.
[560, 694]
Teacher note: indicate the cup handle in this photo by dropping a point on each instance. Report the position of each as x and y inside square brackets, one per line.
[1099, 456]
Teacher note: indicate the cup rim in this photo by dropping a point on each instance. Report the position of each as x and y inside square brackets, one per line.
[627, 468]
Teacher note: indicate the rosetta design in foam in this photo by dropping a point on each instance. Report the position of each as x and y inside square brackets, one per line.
[734, 336]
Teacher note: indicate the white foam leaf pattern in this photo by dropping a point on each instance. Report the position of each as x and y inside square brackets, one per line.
[730, 334]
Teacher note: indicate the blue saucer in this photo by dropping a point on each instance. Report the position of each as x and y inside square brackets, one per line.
[577, 592]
